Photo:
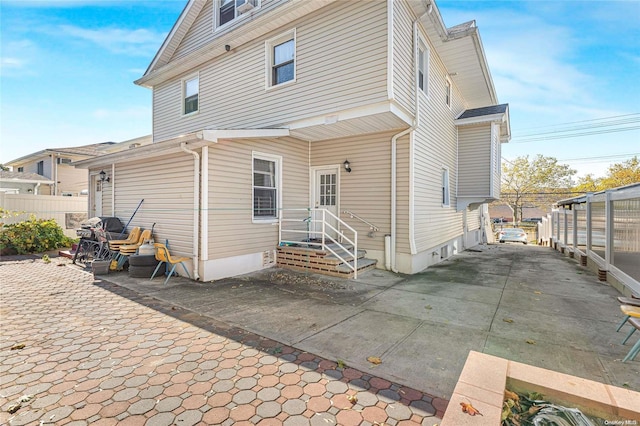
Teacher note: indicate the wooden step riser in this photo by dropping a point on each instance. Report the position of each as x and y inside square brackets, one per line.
[324, 271]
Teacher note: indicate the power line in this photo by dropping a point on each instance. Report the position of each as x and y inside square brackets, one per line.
[635, 114]
[575, 135]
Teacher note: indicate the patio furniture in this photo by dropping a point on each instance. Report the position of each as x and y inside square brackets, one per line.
[163, 256]
[628, 311]
[635, 323]
[129, 249]
[132, 239]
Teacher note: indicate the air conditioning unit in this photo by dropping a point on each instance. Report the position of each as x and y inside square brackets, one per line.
[64, 160]
[244, 6]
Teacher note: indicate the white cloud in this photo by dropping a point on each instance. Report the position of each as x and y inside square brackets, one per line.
[16, 56]
[140, 42]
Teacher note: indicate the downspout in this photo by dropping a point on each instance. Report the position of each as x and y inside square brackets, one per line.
[54, 173]
[394, 171]
[196, 207]
[36, 189]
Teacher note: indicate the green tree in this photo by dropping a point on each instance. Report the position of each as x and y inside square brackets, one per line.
[619, 174]
[4, 168]
[538, 182]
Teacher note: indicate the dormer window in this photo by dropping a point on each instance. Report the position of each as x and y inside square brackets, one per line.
[228, 10]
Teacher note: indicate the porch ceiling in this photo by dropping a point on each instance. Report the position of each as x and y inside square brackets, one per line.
[333, 126]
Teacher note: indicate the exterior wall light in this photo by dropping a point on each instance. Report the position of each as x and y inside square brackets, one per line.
[347, 166]
[103, 176]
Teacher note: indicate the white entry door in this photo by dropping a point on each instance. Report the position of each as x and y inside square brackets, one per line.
[326, 196]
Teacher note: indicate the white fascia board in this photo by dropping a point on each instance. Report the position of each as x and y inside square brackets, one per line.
[214, 135]
[497, 118]
[17, 180]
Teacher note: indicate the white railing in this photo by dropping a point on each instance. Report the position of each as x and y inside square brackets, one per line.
[352, 215]
[319, 228]
[605, 227]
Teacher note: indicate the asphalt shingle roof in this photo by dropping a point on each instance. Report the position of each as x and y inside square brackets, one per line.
[21, 176]
[489, 110]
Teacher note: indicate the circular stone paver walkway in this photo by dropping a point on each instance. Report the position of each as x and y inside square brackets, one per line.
[95, 353]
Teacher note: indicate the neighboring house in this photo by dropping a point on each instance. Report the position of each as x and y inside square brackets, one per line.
[371, 110]
[56, 164]
[23, 183]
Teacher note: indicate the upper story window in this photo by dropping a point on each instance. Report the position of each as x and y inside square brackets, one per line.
[40, 168]
[423, 67]
[281, 54]
[447, 92]
[228, 10]
[190, 90]
[445, 188]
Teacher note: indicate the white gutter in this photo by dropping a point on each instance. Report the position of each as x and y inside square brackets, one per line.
[204, 203]
[196, 207]
[36, 189]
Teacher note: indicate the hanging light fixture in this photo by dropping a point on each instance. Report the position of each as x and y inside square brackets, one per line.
[103, 176]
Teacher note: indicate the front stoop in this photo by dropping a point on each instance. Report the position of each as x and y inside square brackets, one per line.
[321, 261]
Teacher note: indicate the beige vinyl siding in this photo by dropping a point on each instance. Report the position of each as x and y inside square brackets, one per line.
[340, 64]
[473, 218]
[71, 179]
[474, 158]
[231, 231]
[366, 191]
[202, 31]
[166, 185]
[435, 147]
[404, 79]
[199, 33]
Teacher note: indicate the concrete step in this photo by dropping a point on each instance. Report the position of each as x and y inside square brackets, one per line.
[363, 264]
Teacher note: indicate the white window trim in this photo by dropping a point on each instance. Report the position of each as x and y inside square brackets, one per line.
[216, 16]
[445, 187]
[427, 60]
[183, 94]
[450, 102]
[278, 160]
[268, 50]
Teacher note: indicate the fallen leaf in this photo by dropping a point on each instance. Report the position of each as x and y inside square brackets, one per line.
[13, 408]
[352, 399]
[511, 395]
[531, 342]
[428, 307]
[509, 320]
[469, 409]
[374, 360]
[17, 346]
[341, 364]
[537, 292]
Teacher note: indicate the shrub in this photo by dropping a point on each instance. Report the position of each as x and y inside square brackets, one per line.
[33, 236]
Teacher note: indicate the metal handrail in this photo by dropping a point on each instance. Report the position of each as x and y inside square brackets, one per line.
[326, 229]
[352, 215]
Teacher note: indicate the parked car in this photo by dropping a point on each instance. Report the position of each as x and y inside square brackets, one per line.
[515, 235]
[532, 219]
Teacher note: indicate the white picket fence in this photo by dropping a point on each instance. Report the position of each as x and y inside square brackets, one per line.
[68, 212]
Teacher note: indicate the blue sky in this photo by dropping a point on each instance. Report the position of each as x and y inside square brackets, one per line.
[565, 67]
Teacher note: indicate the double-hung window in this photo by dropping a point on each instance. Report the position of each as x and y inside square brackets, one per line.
[228, 10]
[266, 187]
[281, 57]
[190, 90]
[445, 188]
[447, 92]
[423, 67]
[40, 168]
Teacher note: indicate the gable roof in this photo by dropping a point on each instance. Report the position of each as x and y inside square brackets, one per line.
[90, 150]
[6, 176]
[180, 28]
[493, 113]
[483, 111]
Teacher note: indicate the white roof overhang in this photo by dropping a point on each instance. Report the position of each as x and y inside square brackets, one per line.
[502, 119]
[257, 25]
[462, 53]
[192, 141]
